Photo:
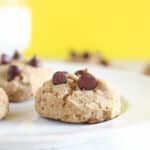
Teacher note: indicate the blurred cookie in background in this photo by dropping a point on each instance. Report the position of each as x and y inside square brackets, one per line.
[20, 77]
[147, 70]
[88, 57]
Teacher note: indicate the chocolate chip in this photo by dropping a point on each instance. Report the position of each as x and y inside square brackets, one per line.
[34, 62]
[13, 71]
[85, 55]
[59, 78]
[104, 62]
[5, 59]
[81, 72]
[87, 82]
[65, 72]
[16, 55]
[73, 53]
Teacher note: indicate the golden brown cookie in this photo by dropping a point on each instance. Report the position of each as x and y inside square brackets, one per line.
[20, 81]
[147, 70]
[77, 98]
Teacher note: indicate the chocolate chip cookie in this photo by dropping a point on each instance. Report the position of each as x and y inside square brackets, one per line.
[147, 70]
[20, 81]
[90, 58]
[77, 98]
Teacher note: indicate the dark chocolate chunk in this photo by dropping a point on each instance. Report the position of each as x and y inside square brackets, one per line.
[81, 72]
[5, 59]
[87, 82]
[13, 71]
[104, 62]
[16, 55]
[85, 55]
[59, 78]
[73, 53]
[65, 72]
[34, 62]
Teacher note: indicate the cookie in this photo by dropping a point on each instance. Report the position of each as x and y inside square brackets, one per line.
[77, 98]
[89, 58]
[4, 104]
[147, 70]
[20, 81]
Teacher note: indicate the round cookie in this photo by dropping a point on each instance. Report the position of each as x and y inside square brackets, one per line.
[16, 85]
[4, 104]
[77, 98]
[20, 81]
[147, 70]
[20, 78]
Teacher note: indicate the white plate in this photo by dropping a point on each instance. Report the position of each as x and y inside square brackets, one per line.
[24, 126]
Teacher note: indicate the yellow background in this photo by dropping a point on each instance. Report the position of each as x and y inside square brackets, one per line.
[119, 28]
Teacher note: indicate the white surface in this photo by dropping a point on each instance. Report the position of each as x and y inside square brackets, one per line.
[15, 28]
[134, 66]
[24, 128]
